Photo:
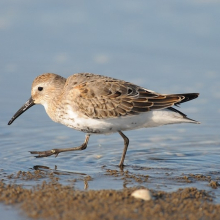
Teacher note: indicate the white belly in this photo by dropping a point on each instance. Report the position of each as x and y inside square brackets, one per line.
[112, 125]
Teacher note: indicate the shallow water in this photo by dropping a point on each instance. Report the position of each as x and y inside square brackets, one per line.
[170, 49]
[163, 154]
[9, 212]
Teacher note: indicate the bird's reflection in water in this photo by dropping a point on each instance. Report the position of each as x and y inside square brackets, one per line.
[72, 176]
[56, 171]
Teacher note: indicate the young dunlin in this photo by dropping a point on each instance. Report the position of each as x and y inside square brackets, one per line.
[98, 104]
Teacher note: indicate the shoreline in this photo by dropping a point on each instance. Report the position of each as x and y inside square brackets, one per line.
[52, 200]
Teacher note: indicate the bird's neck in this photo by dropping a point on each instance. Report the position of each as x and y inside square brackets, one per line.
[53, 105]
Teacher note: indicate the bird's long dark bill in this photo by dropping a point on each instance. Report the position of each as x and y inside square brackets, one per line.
[26, 106]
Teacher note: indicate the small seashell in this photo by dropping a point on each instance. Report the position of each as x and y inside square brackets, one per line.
[142, 194]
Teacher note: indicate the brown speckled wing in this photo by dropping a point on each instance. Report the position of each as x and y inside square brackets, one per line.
[103, 97]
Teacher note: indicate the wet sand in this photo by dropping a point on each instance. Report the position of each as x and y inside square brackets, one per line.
[52, 200]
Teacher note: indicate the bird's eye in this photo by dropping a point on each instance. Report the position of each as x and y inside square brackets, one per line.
[40, 88]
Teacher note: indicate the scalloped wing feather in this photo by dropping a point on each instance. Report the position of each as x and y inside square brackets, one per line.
[98, 96]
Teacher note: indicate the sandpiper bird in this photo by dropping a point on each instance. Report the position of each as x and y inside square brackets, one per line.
[97, 104]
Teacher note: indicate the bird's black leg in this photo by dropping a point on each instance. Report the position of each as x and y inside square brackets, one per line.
[126, 142]
[57, 151]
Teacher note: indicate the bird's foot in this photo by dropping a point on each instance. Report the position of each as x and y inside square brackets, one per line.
[121, 166]
[46, 153]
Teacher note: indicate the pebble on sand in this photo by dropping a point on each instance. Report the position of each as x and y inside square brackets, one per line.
[142, 194]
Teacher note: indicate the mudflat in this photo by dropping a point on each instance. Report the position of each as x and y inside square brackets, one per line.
[52, 200]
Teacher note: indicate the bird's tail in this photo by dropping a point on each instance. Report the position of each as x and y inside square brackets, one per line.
[187, 97]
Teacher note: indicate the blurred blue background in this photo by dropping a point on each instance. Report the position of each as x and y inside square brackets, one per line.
[170, 46]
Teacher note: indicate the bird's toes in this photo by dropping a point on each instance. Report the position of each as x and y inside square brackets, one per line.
[43, 153]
